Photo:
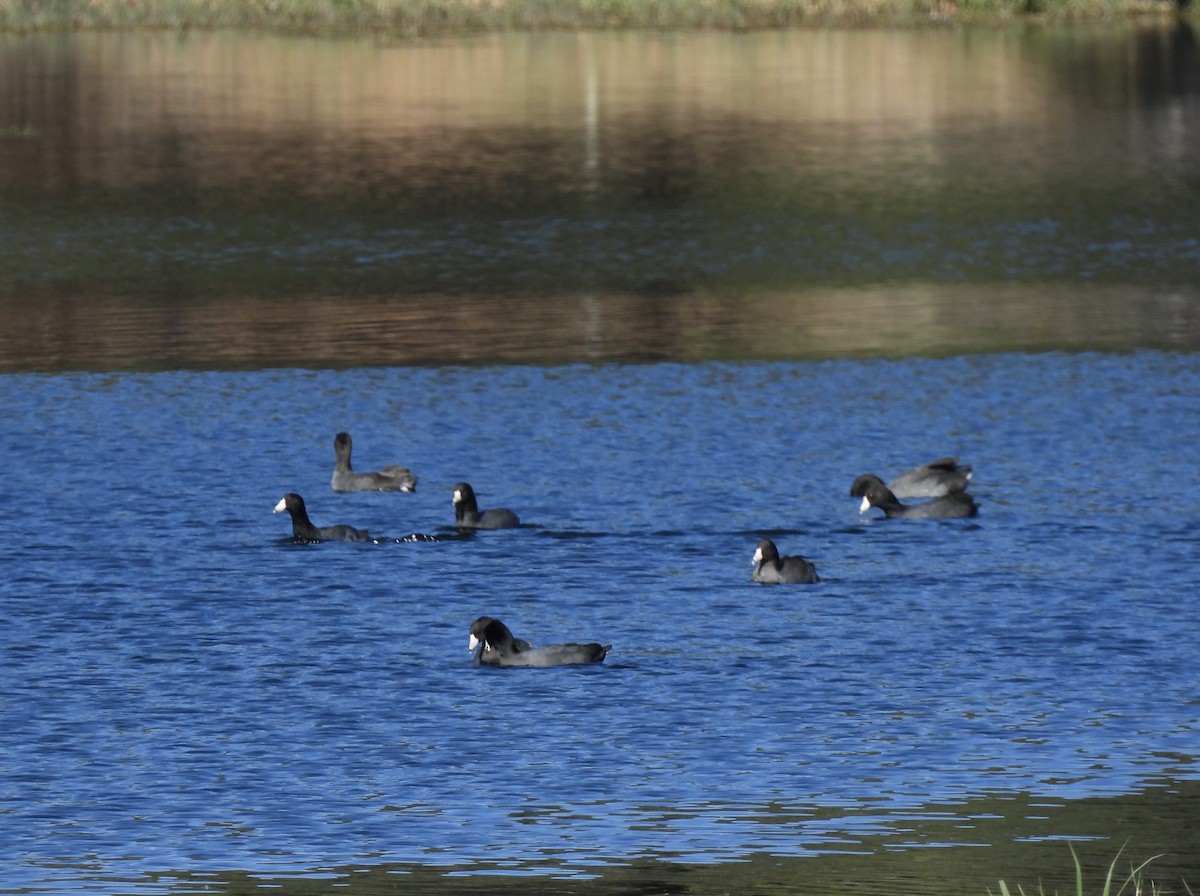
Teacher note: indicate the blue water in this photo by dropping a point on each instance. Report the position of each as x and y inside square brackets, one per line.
[183, 688]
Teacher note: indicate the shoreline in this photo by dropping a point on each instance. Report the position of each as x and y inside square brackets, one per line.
[443, 18]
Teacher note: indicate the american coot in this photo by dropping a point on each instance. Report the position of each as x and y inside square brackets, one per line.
[304, 530]
[467, 515]
[944, 508]
[498, 647]
[770, 568]
[389, 479]
[944, 476]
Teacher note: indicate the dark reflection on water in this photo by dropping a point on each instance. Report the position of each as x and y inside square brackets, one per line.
[1040, 184]
[940, 853]
[111, 333]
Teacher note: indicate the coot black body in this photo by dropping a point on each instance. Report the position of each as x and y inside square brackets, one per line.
[389, 479]
[468, 516]
[944, 476]
[304, 530]
[771, 569]
[497, 647]
[947, 507]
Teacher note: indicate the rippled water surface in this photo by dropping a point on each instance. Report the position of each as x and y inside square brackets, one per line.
[184, 688]
[221, 249]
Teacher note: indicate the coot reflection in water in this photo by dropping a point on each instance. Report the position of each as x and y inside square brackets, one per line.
[183, 692]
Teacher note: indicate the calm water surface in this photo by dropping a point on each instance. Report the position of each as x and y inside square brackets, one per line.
[219, 200]
[185, 689]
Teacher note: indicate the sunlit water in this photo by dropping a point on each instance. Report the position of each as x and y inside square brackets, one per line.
[187, 697]
[185, 689]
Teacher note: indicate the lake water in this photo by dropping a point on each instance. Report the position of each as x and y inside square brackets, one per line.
[187, 691]
[226, 249]
[214, 201]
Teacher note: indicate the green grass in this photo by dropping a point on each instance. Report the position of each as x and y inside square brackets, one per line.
[1134, 884]
[423, 17]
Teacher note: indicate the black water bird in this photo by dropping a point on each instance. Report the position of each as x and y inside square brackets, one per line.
[771, 569]
[497, 647]
[389, 479]
[468, 516]
[944, 476]
[304, 530]
[946, 507]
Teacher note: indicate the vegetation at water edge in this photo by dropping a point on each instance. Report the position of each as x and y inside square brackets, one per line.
[428, 17]
[1134, 883]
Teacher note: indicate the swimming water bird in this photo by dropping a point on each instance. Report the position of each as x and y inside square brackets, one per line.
[944, 476]
[389, 479]
[485, 625]
[946, 507]
[770, 568]
[498, 647]
[467, 515]
[304, 530]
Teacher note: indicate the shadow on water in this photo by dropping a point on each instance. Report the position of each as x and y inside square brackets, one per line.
[111, 333]
[240, 201]
[938, 851]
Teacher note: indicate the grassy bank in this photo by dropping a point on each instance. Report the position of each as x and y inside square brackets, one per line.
[431, 17]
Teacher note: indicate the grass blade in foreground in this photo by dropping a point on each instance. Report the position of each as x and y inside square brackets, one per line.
[1133, 883]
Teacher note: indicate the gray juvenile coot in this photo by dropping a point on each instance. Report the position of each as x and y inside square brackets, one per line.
[389, 479]
[944, 508]
[467, 515]
[498, 647]
[304, 530]
[944, 476]
[770, 568]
